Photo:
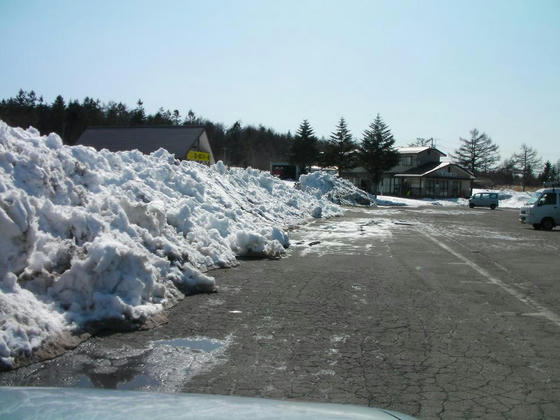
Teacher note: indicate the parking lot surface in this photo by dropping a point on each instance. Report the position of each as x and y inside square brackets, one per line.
[435, 312]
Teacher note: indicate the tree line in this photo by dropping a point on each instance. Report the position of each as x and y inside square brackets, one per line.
[479, 154]
[376, 152]
[238, 145]
[247, 145]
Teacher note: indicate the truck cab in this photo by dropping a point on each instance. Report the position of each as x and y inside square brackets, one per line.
[543, 210]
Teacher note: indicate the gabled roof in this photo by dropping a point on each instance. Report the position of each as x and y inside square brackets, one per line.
[431, 167]
[417, 149]
[177, 140]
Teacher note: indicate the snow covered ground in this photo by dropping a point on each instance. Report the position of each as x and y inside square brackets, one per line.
[89, 236]
[507, 199]
[385, 200]
[510, 198]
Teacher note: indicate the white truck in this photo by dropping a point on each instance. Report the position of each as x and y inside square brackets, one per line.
[543, 210]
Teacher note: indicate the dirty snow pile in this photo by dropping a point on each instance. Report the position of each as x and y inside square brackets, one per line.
[88, 235]
[335, 189]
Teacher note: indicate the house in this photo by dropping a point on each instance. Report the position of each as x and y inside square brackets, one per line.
[185, 142]
[419, 173]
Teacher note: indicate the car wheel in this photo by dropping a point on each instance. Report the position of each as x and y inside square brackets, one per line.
[471, 205]
[547, 224]
[536, 226]
[492, 206]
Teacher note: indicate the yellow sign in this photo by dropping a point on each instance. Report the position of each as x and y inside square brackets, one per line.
[198, 156]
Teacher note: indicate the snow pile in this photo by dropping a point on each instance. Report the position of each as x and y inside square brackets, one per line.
[340, 191]
[90, 235]
[510, 198]
[382, 200]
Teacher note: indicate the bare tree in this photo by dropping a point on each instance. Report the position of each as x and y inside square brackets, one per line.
[421, 141]
[478, 153]
[526, 161]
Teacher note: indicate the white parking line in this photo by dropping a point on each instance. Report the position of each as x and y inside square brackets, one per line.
[541, 310]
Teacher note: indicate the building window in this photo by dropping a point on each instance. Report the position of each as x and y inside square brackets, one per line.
[406, 161]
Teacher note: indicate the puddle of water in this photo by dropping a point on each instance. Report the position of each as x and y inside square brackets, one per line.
[163, 366]
[203, 344]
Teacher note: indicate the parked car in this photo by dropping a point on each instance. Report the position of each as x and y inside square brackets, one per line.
[484, 199]
[543, 212]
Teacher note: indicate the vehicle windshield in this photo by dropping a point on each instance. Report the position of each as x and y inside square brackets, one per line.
[535, 198]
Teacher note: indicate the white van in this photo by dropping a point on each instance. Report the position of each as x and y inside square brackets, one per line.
[542, 211]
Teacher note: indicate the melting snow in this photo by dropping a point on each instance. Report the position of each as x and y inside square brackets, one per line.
[89, 236]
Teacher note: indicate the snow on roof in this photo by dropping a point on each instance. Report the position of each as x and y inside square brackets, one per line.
[430, 168]
[418, 149]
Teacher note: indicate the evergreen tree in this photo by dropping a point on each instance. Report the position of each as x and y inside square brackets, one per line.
[339, 147]
[525, 162]
[304, 152]
[58, 116]
[377, 152]
[233, 151]
[138, 116]
[176, 117]
[192, 119]
[548, 173]
[478, 153]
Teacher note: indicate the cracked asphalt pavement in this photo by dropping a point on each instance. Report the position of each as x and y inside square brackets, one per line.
[435, 312]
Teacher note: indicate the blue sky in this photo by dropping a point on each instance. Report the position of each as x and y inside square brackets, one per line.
[430, 68]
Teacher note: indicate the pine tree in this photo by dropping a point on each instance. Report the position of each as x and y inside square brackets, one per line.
[176, 118]
[478, 153]
[339, 147]
[234, 152]
[138, 116]
[377, 152]
[548, 173]
[304, 152]
[525, 162]
[58, 116]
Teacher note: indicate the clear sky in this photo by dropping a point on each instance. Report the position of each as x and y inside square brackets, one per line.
[430, 68]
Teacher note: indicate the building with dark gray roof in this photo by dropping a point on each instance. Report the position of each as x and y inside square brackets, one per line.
[185, 142]
[419, 173]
